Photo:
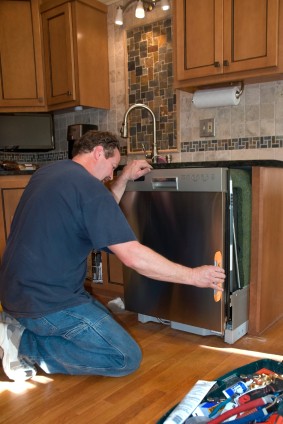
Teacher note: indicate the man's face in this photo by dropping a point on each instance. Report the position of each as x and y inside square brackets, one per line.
[104, 168]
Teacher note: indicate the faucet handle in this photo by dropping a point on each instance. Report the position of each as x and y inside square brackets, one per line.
[147, 155]
[123, 130]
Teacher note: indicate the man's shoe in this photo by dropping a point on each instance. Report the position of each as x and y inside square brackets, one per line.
[14, 367]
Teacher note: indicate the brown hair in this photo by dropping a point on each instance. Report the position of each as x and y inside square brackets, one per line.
[92, 138]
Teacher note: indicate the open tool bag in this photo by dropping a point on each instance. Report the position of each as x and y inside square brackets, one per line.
[249, 394]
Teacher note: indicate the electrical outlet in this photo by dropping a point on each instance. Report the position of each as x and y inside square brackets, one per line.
[206, 127]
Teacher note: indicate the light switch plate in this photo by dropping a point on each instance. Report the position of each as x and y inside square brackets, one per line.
[207, 127]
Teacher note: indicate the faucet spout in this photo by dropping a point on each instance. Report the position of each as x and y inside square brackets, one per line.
[124, 128]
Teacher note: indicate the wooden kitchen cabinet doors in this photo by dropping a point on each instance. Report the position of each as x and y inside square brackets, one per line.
[75, 54]
[225, 40]
[11, 190]
[21, 72]
[54, 55]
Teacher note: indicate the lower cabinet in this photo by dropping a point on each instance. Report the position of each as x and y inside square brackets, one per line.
[111, 283]
[11, 189]
[266, 291]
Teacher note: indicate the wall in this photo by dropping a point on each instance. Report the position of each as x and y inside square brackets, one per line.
[251, 130]
[150, 81]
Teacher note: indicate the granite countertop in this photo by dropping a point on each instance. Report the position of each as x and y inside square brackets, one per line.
[221, 164]
[175, 165]
[4, 172]
[217, 164]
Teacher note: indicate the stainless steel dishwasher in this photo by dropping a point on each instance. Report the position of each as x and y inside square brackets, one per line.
[187, 216]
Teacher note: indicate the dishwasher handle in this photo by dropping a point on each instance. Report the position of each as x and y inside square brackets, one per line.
[161, 183]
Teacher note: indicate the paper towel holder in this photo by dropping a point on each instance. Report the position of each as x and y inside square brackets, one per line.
[232, 84]
[218, 96]
[241, 89]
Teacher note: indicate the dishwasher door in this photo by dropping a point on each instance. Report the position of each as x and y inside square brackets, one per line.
[187, 227]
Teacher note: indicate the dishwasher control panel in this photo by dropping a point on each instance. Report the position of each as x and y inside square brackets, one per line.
[184, 179]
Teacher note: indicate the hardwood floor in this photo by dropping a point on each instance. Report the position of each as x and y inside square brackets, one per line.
[172, 363]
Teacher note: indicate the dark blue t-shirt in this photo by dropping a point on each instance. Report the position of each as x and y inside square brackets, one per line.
[63, 214]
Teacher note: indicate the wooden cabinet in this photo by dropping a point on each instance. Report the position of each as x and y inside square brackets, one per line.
[21, 72]
[112, 273]
[217, 41]
[11, 189]
[75, 53]
[266, 293]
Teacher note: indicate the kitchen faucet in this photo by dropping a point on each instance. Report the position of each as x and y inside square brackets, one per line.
[124, 128]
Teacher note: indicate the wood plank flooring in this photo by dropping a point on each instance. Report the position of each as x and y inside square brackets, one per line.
[172, 362]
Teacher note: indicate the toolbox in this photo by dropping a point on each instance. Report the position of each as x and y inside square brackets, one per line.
[226, 381]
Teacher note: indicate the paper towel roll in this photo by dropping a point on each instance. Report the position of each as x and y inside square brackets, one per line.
[226, 96]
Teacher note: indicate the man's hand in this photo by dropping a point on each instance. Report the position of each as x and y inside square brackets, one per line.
[208, 276]
[147, 262]
[136, 169]
[132, 171]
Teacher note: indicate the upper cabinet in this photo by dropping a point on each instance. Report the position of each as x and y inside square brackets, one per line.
[217, 41]
[21, 71]
[75, 53]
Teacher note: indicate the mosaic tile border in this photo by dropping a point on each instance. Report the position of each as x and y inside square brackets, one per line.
[41, 158]
[245, 143]
[34, 157]
[266, 142]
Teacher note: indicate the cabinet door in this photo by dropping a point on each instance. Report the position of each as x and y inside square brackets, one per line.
[59, 54]
[21, 74]
[76, 54]
[266, 291]
[216, 37]
[250, 34]
[11, 189]
[199, 34]
[11, 198]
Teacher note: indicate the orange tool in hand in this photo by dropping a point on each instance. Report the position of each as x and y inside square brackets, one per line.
[218, 262]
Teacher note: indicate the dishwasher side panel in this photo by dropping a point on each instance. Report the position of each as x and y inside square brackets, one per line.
[187, 228]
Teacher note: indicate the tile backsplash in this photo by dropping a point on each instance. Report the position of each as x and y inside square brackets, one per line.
[251, 130]
[150, 81]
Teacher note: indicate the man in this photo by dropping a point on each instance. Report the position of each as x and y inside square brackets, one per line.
[49, 319]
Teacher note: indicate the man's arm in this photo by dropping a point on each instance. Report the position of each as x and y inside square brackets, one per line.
[149, 263]
[131, 171]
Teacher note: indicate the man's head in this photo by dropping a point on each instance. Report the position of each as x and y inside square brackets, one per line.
[91, 139]
[99, 153]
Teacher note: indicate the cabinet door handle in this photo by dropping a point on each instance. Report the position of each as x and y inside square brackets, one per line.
[68, 93]
[216, 64]
[226, 63]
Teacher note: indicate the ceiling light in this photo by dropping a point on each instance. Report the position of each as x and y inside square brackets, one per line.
[140, 13]
[119, 16]
[165, 5]
[142, 7]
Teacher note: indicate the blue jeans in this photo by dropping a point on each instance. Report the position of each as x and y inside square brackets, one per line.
[82, 340]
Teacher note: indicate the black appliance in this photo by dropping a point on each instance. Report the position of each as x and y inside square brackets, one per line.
[75, 132]
[20, 132]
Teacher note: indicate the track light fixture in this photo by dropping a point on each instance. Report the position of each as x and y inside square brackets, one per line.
[142, 7]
